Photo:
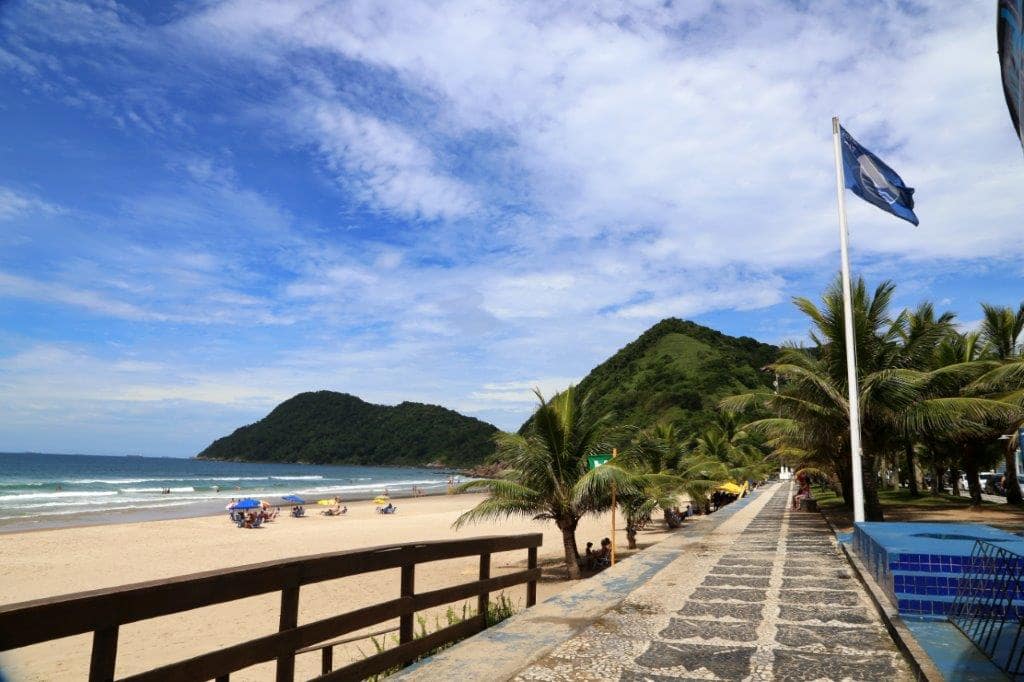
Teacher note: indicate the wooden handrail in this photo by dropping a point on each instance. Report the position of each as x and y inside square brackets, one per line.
[103, 611]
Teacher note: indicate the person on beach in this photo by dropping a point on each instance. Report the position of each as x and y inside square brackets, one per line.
[603, 559]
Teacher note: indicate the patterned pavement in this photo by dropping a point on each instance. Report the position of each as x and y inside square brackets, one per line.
[767, 596]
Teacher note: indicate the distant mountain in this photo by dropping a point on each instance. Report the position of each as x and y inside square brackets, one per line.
[676, 371]
[337, 428]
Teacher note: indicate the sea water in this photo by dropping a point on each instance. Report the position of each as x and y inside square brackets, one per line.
[42, 490]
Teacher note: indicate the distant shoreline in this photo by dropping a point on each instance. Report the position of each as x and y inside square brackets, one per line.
[43, 491]
[197, 510]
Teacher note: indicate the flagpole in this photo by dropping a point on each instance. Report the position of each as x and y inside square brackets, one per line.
[851, 345]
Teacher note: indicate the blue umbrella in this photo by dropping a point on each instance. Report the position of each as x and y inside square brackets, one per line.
[294, 498]
[247, 503]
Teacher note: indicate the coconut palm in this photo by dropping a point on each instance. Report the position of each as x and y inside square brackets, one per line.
[899, 400]
[921, 334]
[1001, 328]
[547, 476]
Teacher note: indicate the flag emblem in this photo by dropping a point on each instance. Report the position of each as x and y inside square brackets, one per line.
[875, 182]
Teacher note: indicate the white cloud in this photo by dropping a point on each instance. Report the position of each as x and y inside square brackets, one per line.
[16, 204]
[384, 164]
[549, 178]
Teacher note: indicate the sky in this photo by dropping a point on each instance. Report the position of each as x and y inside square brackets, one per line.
[208, 207]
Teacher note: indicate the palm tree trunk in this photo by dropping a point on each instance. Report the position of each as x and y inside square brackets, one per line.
[938, 472]
[1013, 495]
[911, 469]
[971, 469]
[872, 505]
[846, 484]
[572, 554]
[631, 535]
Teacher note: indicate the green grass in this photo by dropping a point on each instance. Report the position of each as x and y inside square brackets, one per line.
[827, 499]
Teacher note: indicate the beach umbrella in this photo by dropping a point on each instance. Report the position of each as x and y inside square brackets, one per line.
[326, 502]
[381, 500]
[247, 503]
[295, 499]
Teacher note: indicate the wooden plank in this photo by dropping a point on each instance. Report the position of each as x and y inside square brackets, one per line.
[289, 619]
[484, 600]
[447, 595]
[267, 648]
[104, 655]
[41, 620]
[346, 640]
[403, 653]
[531, 586]
[408, 589]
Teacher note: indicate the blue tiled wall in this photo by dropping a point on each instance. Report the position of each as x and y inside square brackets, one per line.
[924, 584]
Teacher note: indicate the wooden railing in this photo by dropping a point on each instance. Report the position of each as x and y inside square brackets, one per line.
[102, 612]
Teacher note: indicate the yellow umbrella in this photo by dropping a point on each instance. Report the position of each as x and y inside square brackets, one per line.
[381, 500]
[326, 502]
[731, 488]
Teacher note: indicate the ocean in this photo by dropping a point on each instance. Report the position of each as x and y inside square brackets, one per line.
[45, 491]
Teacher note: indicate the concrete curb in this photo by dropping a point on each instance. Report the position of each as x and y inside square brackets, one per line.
[502, 651]
[920, 662]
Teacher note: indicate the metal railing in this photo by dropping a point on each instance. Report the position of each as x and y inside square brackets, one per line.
[103, 612]
[989, 605]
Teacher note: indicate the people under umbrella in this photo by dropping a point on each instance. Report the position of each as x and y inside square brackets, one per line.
[336, 508]
[298, 510]
[250, 513]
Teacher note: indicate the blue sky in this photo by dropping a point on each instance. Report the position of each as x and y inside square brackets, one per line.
[208, 207]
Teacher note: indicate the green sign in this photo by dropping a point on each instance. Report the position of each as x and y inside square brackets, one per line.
[594, 461]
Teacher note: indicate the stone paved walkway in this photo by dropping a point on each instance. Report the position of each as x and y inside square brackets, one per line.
[767, 596]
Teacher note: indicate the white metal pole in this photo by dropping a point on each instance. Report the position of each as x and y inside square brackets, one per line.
[851, 344]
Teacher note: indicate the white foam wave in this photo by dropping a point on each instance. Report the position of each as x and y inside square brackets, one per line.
[43, 496]
[188, 489]
[111, 481]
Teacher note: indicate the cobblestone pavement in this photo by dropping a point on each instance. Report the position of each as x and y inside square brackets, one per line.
[767, 596]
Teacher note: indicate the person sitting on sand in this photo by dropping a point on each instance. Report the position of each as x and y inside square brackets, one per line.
[603, 559]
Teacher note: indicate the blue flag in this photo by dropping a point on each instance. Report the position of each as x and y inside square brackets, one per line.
[1010, 36]
[874, 182]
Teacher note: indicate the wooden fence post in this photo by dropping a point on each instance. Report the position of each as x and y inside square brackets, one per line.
[289, 619]
[104, 655]
[408, 589]
[327, 660]
[484, 599]
[531, 587]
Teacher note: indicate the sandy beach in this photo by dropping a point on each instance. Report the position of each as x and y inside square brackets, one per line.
[53, 562]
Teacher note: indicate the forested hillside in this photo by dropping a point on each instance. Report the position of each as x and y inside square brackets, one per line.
[676, 371]
[336, 428]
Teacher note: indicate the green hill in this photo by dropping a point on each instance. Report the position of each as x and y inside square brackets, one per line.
[676, 371]
[336, 428]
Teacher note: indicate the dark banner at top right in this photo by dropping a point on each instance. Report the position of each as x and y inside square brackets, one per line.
[1010, 32]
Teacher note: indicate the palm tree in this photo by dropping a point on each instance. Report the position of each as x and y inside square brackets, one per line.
[814, 421]
[921, 334]
[547, 476]
[899, 400]
[1001, 328]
